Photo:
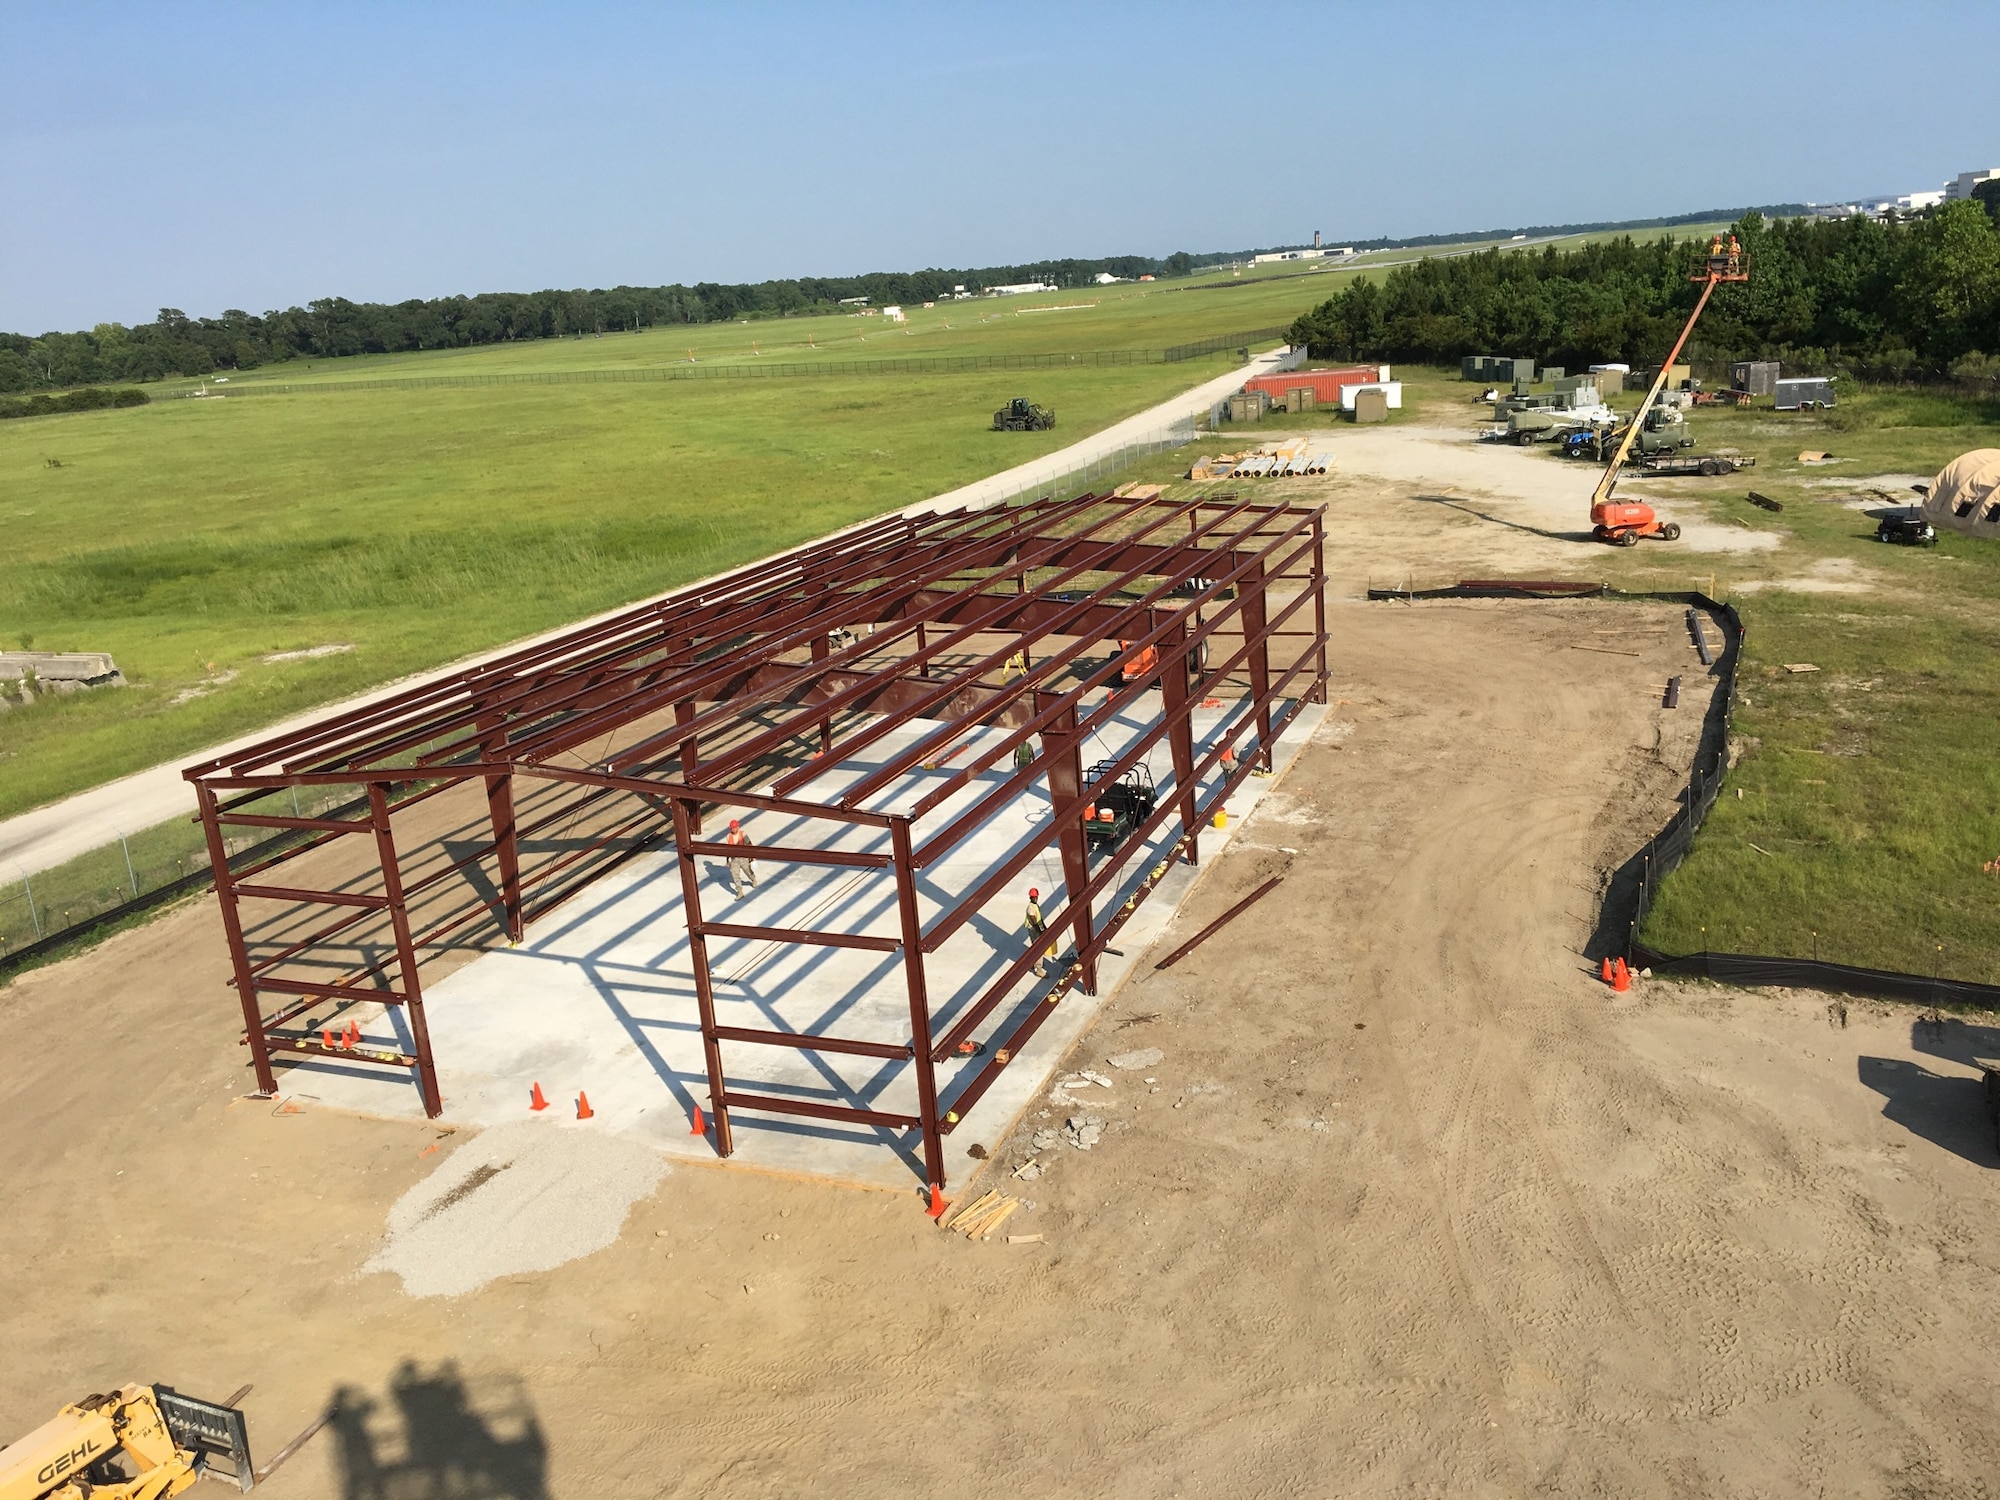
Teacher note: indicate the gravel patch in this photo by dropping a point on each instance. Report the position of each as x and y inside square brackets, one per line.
[520, 1197]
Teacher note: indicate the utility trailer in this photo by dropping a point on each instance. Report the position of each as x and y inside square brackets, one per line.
[1664, 465]
[1807, 393]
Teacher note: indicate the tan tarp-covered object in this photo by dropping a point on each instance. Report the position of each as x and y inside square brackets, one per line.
[1965, 496]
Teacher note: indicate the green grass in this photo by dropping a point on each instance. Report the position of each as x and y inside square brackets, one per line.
[193, 539]
[1870, 793]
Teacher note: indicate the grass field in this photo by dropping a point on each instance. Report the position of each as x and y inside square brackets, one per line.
[1870, 789]
[194, 539]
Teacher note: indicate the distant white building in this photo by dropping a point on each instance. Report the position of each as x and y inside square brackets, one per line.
[1019, 289]
[1962, 185]
[1105, 278]
[894, 314]
[1881, 208]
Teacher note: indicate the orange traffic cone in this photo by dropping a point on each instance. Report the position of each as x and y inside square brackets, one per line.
[1621, 977]
[1604, 969]
[937, 1208]
[583, 1109]
[353, 1033]
[326, 1036]
[696, 1125]
[535, 1099]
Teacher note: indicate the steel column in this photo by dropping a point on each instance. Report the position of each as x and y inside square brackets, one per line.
[1063, 747]
[704, 993]
[1180, 741]
[500, 809]
[406, 950]
[1257, 639]
[239, 954]
[1317, 583]
[690, 752]
[920, 1004]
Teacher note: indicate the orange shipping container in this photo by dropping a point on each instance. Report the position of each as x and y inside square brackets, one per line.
[1324, 384]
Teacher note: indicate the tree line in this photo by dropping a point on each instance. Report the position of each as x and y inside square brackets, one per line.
[176, 344]
[1913, 296]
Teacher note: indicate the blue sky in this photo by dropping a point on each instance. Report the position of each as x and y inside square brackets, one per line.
[205, 156]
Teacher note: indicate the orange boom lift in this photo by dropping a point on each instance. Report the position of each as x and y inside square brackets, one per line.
[1624, 525]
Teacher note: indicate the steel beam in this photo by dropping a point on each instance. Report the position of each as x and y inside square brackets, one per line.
[406, 950]
[704, 991]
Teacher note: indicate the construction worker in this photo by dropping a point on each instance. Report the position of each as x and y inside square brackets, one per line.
[740, 868]
[1037, 926]
[1024, 754]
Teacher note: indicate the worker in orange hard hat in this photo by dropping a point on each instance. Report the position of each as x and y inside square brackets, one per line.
[741, 871]
[1037, 926]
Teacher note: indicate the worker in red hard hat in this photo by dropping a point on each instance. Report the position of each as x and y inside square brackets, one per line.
[1037, 926]
[741, 871]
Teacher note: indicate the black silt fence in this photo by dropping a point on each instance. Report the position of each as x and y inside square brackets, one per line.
[1629, 897]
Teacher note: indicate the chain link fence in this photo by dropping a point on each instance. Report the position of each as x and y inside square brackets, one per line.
[1074, 478]
[42, 912]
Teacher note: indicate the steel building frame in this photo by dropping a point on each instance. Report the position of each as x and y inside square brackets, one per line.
[940, 624]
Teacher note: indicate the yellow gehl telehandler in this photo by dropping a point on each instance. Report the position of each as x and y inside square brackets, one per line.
[139, 1442]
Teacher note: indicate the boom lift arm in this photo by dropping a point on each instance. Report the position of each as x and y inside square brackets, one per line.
[1723, 264]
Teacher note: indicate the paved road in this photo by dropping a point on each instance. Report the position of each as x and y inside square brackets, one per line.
[37, 840]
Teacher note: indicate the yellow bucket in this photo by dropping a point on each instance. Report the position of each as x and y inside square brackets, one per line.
[1222, 820]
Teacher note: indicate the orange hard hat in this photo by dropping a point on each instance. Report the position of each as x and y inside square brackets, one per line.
[1033, 893]
[734, 824]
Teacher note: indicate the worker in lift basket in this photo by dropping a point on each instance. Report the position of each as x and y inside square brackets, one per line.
[1037, 927]
[740, 869]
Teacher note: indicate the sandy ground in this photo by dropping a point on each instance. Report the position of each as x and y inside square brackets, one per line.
[1413, 1206]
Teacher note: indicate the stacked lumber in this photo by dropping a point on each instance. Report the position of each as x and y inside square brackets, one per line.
[978, 1219]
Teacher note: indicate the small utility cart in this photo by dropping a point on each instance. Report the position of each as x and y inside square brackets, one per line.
[1119, 805]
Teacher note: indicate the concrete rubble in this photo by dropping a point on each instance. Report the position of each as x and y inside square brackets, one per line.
[1131, 1062]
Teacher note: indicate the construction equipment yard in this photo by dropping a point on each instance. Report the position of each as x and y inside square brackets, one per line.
[1377, 1190]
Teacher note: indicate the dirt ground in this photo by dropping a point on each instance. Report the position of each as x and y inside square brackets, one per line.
[1415, 1206]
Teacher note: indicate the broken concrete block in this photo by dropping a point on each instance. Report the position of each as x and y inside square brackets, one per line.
[1145, 1057]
